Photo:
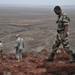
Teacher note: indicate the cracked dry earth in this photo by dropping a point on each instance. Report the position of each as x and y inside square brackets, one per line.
[34, 63]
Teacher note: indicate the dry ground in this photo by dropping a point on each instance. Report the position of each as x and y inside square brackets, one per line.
[34, 63]
[36, 25]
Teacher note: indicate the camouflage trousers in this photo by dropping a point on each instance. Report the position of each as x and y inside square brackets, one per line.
[18, 54]
[65, 43]
[1, 51]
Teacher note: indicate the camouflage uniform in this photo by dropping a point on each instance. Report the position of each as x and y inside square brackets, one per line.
[19, 47]
[62, 21]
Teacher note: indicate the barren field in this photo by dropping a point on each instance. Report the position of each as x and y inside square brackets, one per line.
[36, 25]
[34, 63]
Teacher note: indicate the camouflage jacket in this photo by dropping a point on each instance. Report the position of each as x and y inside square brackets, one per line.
[19, 43]
[62, 21]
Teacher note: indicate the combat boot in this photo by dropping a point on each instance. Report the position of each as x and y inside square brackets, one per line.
[73, 59]
[50, 58]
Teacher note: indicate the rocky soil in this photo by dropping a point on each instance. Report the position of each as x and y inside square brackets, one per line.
[34, 63]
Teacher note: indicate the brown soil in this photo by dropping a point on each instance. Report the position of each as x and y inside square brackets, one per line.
[34, 63]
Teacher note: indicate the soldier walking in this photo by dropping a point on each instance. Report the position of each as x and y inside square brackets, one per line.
[62, 35]
[19, 45]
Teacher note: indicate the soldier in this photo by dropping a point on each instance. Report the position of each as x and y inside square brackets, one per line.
[19, 47]
[62, 35]
[1, 48]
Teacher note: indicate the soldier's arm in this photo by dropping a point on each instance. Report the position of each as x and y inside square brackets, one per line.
[65, 31]
[66, 23]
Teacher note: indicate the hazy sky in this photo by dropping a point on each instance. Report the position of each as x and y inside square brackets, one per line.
[37, 2]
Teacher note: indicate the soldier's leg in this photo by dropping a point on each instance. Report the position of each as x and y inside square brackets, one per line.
[66, 46]
[17, 54]
[54, 48]
[56, 43]
[1, 51]
[68, 49]
[20, 53]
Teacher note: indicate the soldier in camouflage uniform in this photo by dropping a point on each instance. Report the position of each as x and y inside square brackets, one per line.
[19, 45]
[62, 34]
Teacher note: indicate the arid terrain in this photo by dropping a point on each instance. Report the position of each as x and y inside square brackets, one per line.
[37, 26]
[34, 63]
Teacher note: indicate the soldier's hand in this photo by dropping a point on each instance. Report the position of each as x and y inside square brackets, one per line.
[63, 38]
